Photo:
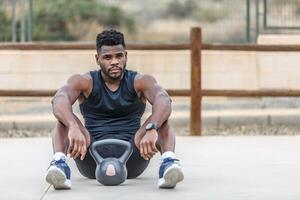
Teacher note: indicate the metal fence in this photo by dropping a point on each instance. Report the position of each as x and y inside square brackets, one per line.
[281, 14]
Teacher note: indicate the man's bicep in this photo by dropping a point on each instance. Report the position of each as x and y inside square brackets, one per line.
[76, 85]
[151, 89]
[68, 92]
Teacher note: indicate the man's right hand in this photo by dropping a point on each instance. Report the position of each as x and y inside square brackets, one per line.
[77, 143]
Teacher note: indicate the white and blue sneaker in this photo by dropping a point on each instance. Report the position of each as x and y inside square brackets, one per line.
[59, 174]
[170, 173]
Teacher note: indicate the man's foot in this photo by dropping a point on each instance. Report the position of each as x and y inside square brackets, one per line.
[170, 173]
[59, 174]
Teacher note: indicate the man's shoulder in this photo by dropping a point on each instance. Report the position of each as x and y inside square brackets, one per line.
[131, 72]
[133, 75]
[144, 77]
[86, 77]
[81, 81]
[143, 81]
[91, 73]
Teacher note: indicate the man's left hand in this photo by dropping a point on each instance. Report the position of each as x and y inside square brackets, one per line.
[148, 144]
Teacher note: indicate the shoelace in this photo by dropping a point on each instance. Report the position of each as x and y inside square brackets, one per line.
[166, 160]
[55, 162]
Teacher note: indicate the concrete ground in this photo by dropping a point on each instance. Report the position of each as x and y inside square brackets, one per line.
[215, 168]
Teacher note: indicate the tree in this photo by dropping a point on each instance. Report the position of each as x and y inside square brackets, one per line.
[53, 19]
[68, 19]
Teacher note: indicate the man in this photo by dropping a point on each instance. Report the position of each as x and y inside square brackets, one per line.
[112, 101]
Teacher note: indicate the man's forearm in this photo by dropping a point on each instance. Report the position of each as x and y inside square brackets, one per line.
[62, 110]
[161, 110]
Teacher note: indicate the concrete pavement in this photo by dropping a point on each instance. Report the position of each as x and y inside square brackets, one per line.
[215, 168]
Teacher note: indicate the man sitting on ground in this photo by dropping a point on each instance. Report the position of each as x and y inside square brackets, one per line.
[112, 101]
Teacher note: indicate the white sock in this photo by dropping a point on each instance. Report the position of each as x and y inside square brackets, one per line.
[168, 154]
[59, 155]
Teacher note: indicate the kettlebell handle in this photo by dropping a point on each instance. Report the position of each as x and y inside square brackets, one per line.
[98, 158]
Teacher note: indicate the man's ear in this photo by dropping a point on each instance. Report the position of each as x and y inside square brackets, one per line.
[97, 58]
[126, 55]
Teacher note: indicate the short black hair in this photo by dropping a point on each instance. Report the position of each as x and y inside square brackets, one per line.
[109, 37]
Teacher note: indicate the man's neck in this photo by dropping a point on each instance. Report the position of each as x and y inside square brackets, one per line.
[111, 82]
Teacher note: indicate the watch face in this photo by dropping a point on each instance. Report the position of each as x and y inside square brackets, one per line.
[149, 126]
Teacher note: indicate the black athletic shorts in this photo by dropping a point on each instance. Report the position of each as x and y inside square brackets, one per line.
[135, 164]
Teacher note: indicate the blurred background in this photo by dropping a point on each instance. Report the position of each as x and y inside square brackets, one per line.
[157, 22]
[147, 21]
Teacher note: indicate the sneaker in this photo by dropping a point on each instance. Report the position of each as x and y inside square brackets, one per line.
[170, 173]
[59, 174]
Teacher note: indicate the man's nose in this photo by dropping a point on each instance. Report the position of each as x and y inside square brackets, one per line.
[115, 61]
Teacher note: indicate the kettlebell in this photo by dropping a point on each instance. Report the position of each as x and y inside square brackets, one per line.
[111, 170]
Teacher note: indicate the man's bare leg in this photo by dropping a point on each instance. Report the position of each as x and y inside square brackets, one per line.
[170, 171]
[166, 137]
[60, 136]
[58, 174]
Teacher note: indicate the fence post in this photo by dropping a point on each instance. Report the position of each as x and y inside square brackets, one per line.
[196, 98]
[29, 21]
[13, 25]
[22, 21]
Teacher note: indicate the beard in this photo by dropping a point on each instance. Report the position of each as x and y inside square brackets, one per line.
[113, 77]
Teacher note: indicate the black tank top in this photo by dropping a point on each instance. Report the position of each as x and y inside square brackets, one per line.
[110, 114]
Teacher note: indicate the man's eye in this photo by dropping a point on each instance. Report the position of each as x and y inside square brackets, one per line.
[120, 55]
[107, 57]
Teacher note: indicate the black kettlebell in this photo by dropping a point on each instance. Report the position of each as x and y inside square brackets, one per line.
[111, 170]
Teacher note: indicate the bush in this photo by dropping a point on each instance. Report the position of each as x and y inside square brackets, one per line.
[61, 19]
[181, 10]
[210, 14]
[5, 27]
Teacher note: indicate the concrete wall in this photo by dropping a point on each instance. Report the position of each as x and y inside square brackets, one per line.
[221, 70]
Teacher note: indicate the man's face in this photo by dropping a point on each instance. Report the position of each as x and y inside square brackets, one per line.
[112, 60]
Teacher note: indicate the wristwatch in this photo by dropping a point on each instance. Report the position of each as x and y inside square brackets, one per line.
[150, 126]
